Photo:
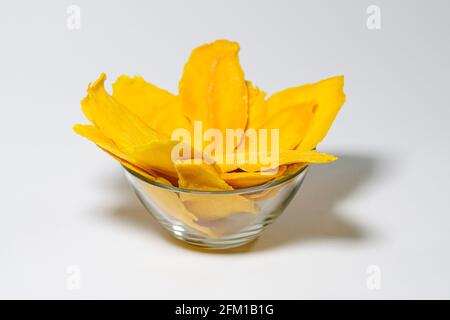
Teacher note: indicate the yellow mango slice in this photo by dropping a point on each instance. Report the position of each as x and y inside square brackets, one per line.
[293, 123]
[170, 119]
[273, 191]
[95, 135]
[213, 207]
[156, 155]
[145, 174]
[245, 179]
[114, 120]
[329, 96]
[225, 167]
[92, 133]
[284, 157]
[250, 179]
[212, 88]
[257, 107]
[294, 167]
[157, 108]
[142, 98]
[200, 176]
[291, 156]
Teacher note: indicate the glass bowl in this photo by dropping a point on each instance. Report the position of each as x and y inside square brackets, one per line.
[216, 219]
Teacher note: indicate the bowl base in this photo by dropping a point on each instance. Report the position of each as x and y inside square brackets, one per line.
[215, 244]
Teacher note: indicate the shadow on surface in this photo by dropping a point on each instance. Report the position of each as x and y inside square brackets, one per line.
[312, 214]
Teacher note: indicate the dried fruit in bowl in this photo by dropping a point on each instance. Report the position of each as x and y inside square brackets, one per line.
[141, 125]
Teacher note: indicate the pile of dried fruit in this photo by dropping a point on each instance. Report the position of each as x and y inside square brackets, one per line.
[135, 124]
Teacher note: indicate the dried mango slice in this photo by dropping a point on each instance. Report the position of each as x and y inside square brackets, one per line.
[249, 179]
[156, 107]
[114, 120]
[289, 169]
[293, 123]
[95, 135]
[201, 176]
[246, 179]
[156, 155]
[153, 176]
[161, 156]
[213, 89]
[257, 107]
[284, 157]
[213, 207]
[291, 156]
[170, 119]
[142, 98]
[226, 167]
[273, 191]
[294, 167]
[329, 97]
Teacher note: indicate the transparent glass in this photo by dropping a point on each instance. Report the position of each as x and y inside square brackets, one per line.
[216, 219]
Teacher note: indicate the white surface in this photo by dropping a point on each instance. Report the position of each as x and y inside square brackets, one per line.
[384, 203]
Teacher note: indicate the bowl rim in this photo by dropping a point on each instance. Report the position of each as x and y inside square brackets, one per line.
[253, 189]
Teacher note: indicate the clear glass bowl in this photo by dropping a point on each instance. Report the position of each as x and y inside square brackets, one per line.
[216, 219]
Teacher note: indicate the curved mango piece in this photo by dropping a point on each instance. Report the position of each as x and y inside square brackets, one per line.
[250, 179]
[95, 135]
[291, 156]
[156, 107]
[257, 107]
[145, 174]
[155, 155]
[170, 119]
[293, 168]
[213, 89]
[114, 120]
[228, 167]
[246, 179]
[199, 176]
[285, 157]
[272, 192]
[329, 96]
[293, 123]
[161, 156]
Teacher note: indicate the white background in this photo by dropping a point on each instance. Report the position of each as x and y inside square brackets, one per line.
[384, 203]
